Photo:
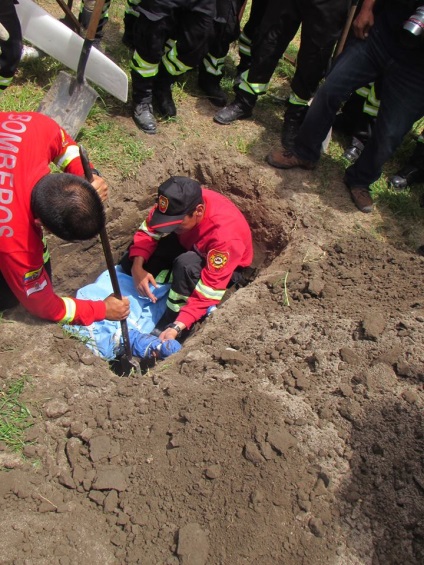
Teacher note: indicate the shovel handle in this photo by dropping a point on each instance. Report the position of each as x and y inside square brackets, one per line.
[89, 38]
[88, 173]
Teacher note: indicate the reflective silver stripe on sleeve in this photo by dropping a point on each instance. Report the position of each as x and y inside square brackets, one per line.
[209, 292]
[70, 154]
[70, 310]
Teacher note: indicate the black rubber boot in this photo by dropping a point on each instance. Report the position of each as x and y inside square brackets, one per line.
[162, 93]
[143, 116]
[354, 150]
[210, 84]
[239, 109]
[293, 119]
[412, 172]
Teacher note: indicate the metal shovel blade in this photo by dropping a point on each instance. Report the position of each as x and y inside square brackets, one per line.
[68, 102]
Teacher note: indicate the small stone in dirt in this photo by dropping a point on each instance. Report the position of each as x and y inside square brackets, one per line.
[111, 501]
[252, 453]
[316, 527]
[213, 472]
[373, 326]
[66, 480]
[193, 545]
[410, 397]
[56, 408]
[30, 451]
[315, 287]
[110, 479]
[231, 357]
[119, 539]
[72, 450]
[349, 356]
[96, 496]
[99, 448]
[281, 440]
[77, 428]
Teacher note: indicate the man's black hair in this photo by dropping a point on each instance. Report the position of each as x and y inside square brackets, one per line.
[68, 206]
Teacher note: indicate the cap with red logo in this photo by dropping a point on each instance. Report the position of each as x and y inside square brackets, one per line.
[176, 198]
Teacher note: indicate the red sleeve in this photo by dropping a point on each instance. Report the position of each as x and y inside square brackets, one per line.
[32, 287]
[145, 240]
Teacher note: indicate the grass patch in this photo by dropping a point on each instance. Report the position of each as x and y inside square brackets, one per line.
[15, 417]
[110, 145]
[242, 145]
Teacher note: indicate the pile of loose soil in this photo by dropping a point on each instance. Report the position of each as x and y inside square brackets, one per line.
[289, 429]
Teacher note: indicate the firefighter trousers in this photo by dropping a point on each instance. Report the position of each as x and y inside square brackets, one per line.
[322, 22]
[10, 50]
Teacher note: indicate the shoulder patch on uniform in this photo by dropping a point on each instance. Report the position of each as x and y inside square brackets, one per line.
[217, 260]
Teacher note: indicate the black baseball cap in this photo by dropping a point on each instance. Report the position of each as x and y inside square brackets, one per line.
[176, 198]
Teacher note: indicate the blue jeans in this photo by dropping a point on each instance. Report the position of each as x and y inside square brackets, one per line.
[402, 100]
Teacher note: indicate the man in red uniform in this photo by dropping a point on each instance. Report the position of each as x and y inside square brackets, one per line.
[203, 238]
[31, 198]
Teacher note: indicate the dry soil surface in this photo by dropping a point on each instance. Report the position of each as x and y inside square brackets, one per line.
[289, 429]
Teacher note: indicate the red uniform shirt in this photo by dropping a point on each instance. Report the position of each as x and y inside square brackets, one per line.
[223, 238]
[29, 142]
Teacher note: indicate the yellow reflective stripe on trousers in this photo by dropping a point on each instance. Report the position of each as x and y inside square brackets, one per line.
[252, 88]
[363, 91]
[65, 158]
[142, 67]
[4, 82]
[370, 110]
[70, 310]
[175, 301]
[372, 98]
[297, 100]
[172, 64]
[209, 292]
[213, 65]
[162, 276]
[245, 44]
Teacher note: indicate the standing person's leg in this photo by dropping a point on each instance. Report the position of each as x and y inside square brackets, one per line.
[279, 25]
[130, 20]
[10, 49]
[250, 33]
[150, 36]
[87, 7]
[402, 104]
[191, 32]
[413, 170]
[322, 23]
[356, 66]
[226, 30]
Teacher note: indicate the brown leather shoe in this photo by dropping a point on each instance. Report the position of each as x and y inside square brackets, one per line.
[362, 199]
[283, 158]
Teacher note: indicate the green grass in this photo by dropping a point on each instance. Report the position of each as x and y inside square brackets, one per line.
[15, 417]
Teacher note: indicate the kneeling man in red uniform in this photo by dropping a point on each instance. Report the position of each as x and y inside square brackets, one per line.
[197, 239]
[32, 199]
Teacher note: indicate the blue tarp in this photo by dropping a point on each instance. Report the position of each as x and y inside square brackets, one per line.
[104, 338]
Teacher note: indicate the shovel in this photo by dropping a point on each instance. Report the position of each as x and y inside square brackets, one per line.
[124, 365]
[70, 99]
